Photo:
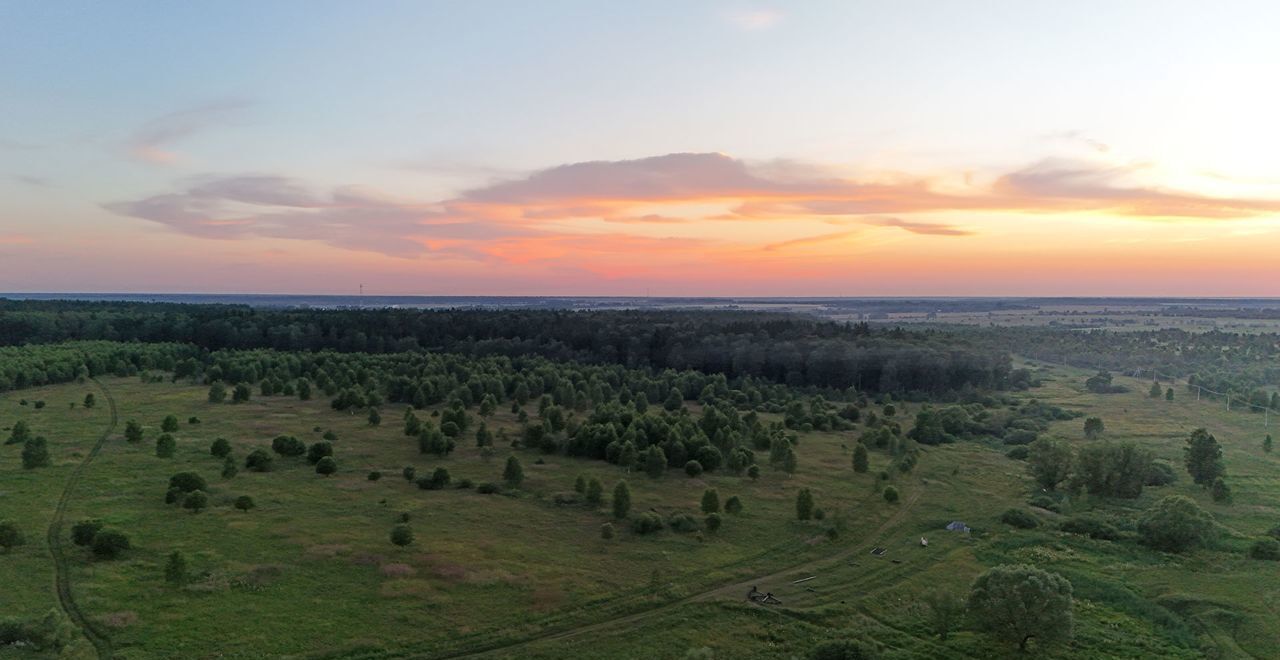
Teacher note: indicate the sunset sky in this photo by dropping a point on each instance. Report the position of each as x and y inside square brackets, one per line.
[663, 148]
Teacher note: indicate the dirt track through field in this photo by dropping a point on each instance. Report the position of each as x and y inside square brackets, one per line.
[735, 590]
[62, 577]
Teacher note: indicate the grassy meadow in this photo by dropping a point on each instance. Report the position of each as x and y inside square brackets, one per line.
[310, 571]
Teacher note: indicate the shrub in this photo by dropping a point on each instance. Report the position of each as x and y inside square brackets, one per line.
[466, 484]
[193, 420]
[326, 466]
[580, 484]
[595, 492]
[1221, 491]
[513, 472]
[713, 522]
[229, 468]
[244, 503]
[693, 468]
[606, 531]
[196, 500]
[133, 431]
[1045, 502]
[175, 571]
[1019, 518]
[682, 522]
[1019, 453]
[82, 532]
[109, 544]
[220, 448]
[487, 488]
[35, 453]
[287, 445]
[258, 460]
[401, 535]
[408, 472]
[890, 494]
[622, 500]
[843, 649]
[165, 446]
[1175, 524]
[565, 499]
[1265, 548]
[733, 505]
[646, 523]
[319, 450]
[1160, 474]
[170, 424]
[10, 536]
[1020, 437]
[710, 501]
[753, 471]
[173, 495]
[374, 475]
[187, 482]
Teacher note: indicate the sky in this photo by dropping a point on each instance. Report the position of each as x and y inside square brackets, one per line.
[679, 148]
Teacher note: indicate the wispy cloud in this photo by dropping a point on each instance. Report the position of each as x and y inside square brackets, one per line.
[753, 20]
[153, 141]
[33, 181]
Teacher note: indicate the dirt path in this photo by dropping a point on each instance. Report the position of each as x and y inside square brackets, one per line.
[62, 577]
[734, 591]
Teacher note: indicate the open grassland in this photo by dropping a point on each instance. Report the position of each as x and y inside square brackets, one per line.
[310, 571]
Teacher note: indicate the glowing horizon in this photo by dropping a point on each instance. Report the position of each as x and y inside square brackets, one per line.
[762, 152]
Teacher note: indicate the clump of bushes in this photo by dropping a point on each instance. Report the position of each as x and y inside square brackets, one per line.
[1265, 548]
[647, 523]
[682, 522]
[1094, 528]
[1020, 518]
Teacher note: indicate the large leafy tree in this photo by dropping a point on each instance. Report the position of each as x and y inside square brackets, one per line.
[1203, 457]
[1020, 603]
[1176, 524]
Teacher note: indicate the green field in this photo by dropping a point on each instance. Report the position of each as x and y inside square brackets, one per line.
[310, 572]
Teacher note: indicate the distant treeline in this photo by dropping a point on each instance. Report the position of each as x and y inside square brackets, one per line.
[794, 350]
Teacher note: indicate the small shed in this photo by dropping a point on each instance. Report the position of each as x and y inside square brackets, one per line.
[957, 526]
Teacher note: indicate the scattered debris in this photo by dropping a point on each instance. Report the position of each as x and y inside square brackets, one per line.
[924, 542]
[879, 552]
[804, 579]
[764, 599]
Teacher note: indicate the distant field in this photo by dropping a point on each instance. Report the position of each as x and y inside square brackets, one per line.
[1110, 317]
[311, 573]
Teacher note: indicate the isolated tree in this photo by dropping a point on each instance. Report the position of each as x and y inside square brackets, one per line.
[1020, 603]
[229, 468]
[326, 466]
[713, 522]
[789, 461]
[621, 500]
[1168, 394]
[83, 531]
[1156, 391]
[241, 393]
[244, 503]
[258, 460]
[170, 424]
[890, 494]
[753, 471]
[109, 544]
[804, 504]
[165, 446]
[375, 418]
[133, 431]
[1049, 460]
[318, 451]
[10, 536]
[1221, 492]
[733, 505]
[484, 437]
[1176, 524]
[89, 400]
[408, 472]
[35, 453]
[196, 500]
[1203, 456]
[220, 448]
[860, 459]
[401, 535]
[606, 531]
[188, 482]
[217, 392]
[693, 468]
[19, 434]
[1266, 443]
[513, 473]
[710, 501]
[175, 570]
[655, 461]
[595, 492]
[943, 610]
[1093, 428]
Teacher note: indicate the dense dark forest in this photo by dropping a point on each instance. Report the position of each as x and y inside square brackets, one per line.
[794, 350]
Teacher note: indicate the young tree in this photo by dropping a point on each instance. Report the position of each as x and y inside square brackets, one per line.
[621, 500]
[229, 468]
[187, 482]
[713, 522]
[513, 473]
[674, 400]
[1221, 492]
[804, 504]
[944, 611]
[196, 500]
[133, 431]
[753, 471]
[109, 544]
[318, 451]
[1050, 460]
[241, 393]
[19, 434]
[220, 448]
[10, 536]
[89, 400]
[408, 472]
[1168, 394]
[1266, 443]
[175, 571]
[1020, 603]
[789, 461]
[170, 424]
[82, 532]
[258, 460]
[326, 466]
[1176, 524]
[244, 503]
[655, 461]
[733, 505]
[375, 418]
[595, 492]
[710, 501]
[1093, 428]
[693, 468]
[217, 392]
[401, 535]
[860, 458]
[1203, 457]
[165, 446]
[606, 531]
[35, 453]
[1156, 391]
[890, 494]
